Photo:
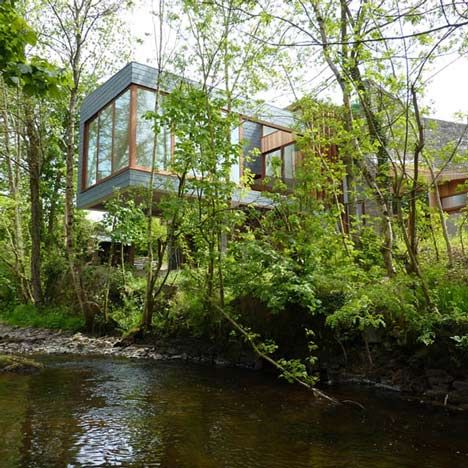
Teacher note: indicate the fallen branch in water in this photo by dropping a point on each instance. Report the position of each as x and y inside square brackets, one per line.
[316, 392]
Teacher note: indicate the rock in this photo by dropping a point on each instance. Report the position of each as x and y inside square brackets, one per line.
[18, 365]
[443, 388]
[461, 386]
[436, 377]
[458, 397]
[438, 395]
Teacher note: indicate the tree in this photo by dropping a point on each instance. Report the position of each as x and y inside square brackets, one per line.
[80, 37]
[34, 79]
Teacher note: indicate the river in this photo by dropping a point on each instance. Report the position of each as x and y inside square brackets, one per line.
[85, 411]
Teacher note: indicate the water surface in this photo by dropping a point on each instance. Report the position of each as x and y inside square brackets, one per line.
[115, 412]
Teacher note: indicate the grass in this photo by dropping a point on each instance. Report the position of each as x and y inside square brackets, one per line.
[52, 317]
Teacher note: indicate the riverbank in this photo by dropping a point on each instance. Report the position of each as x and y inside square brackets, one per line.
[432, 386]
[28, 341]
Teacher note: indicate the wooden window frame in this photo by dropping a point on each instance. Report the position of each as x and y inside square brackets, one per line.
[97, 117]
[281, 148]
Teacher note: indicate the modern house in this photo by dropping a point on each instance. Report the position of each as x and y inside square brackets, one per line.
[116, 142]
[116, 145]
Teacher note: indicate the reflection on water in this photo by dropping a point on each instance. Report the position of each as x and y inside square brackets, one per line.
[103, 412]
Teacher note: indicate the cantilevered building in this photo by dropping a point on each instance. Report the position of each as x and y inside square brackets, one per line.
[116, 142]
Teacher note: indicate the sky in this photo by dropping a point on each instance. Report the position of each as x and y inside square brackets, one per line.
[446, 93]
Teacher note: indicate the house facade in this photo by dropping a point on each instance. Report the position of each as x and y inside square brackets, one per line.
[116, 145]
[116, 142]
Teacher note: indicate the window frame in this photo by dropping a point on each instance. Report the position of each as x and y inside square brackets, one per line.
[97, 117]
[281, 148]
[132, 143]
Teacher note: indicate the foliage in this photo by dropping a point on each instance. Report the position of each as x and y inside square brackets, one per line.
[51, 317]
[317, 262]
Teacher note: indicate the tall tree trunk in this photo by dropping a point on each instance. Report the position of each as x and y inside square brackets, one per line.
[350, 75]
[13, 156]
[69, 202]
[70, 170]
[34, 164]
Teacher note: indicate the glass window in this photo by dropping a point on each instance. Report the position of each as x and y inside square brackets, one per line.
[235, 168]
[455, 201]
[122, 116]
[289, 161]
[92, 153]
[268, 130]
[235, 135]
[146, 101]
[105, 143]
[273, 164]
[163, 151]
[144, 128]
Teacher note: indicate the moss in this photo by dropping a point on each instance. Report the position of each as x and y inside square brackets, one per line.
[18, 364]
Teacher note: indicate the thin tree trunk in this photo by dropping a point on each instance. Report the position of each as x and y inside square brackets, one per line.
[443, 224]
[415, 268]
[69, 206]
[70, 170]
[419, 146]
[434, 240]
[461, 229]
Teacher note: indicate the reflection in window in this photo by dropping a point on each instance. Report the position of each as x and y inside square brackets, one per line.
[268, 130]
[455, 201]
[92, 153]
[273, 164]
[145, 134]
[105, 143]
[289, 161]
[144, 130]
[122, 115]
[235, 168]
[163, 152]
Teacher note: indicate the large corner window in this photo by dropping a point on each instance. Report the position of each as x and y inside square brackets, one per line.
[145, 136]
[289, 162]
[108, 136]
[121, 131]
[108, 140]
[104, 168]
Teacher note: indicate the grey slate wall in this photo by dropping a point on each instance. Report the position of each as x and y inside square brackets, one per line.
[440, 133]
[103, 190]
[252, 137]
